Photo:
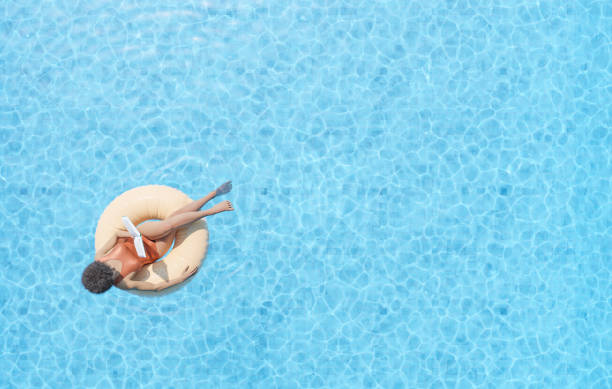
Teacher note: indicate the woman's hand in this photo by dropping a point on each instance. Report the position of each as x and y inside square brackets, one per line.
[123, 233]
[186, 274]
[223, 189]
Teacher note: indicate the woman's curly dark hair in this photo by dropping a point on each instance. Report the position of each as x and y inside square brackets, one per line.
[98, 277]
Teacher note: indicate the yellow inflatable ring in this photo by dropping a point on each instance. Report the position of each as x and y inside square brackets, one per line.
[156, 202]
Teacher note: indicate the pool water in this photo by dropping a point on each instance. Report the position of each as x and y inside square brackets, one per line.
[422, 192]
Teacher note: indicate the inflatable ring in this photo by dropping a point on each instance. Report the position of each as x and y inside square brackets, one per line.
[156, 202]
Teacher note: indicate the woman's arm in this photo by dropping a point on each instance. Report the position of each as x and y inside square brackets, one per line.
[111, 243]
[145, 285]
[106, 246]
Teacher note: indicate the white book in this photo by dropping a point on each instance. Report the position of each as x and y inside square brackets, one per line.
[136, 235]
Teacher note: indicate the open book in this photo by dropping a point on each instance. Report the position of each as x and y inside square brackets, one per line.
[136, 235]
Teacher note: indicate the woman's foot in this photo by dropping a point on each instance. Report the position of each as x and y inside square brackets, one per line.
[223, 189]
[221, 207]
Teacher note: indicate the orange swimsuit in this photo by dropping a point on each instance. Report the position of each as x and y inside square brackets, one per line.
[125, 251]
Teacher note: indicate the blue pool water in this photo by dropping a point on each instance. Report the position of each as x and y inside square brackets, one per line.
[422, 192]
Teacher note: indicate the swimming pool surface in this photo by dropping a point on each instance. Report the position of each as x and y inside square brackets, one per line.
[422, 192]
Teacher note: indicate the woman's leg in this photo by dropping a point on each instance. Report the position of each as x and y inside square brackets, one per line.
[196, 205]
[158, 229]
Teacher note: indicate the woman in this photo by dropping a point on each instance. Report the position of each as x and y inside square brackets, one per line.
[117, 261]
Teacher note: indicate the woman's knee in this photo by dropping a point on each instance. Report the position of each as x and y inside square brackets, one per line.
[156, 230]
